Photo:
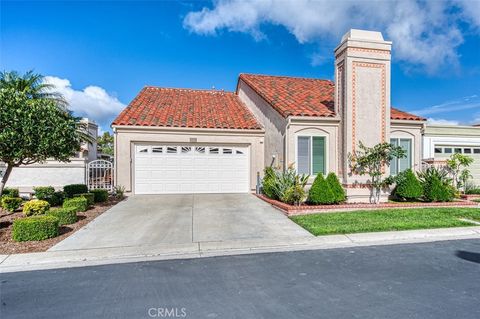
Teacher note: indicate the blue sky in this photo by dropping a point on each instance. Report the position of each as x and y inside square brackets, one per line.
[100, 54]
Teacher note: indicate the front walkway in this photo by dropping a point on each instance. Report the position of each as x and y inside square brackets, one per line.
[147, 220]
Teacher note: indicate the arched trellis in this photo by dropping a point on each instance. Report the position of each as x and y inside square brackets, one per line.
[100, 175]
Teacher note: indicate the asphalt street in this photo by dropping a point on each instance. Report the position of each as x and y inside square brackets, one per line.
[431, 280]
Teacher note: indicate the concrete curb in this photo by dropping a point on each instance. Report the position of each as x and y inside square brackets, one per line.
[114, 255]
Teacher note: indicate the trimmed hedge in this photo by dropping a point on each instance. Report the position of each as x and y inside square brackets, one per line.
[89, 196]
[49, 194]
[74, 189]
[35, 228]
[408, 186]
[11, 203]
[336, 187]
[12, 192]
[35, 207]
[65, 216]
[320, 193]
[100, 195]
[79, 204]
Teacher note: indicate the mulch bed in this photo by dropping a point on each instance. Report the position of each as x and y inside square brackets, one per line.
[291, 210]
[8, 246]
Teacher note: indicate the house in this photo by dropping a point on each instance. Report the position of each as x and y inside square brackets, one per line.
[201, 141]
[441, 141]
[54, 173]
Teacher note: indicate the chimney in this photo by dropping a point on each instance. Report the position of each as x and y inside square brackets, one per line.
[362, 95]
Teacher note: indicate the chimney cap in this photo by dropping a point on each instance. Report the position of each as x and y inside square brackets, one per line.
[356, 34]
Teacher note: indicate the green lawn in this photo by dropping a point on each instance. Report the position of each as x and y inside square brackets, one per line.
[386, 220]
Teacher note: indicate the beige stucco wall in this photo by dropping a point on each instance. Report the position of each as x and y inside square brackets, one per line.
[412, 130]
[272, 121]
[126, 137]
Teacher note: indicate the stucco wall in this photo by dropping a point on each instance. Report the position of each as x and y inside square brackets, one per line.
[125, 138]
[50, 173]
[271, 120]
[413, 130]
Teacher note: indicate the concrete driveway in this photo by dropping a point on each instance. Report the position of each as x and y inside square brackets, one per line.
[183, 219]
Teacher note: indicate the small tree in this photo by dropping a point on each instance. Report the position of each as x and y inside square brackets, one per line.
[33, 130]
[408, 187]
[371, 161]
[336, 187]
[105, 143]
[457, 166]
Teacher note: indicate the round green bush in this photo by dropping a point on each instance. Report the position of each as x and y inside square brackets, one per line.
[408, 186]
[79, 204]
[49, 194]
[73, 189]
[99, 195]
[320, 193]
[66, 216]
[89, 196]
[12, 192]
[35, 207]
[11, 203]
[336, 187]
[35, 228]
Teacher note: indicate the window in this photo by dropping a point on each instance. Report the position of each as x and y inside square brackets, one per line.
[171, 150]
[311, 155]
[467, 151]
[476, 151]
[214, 150]
[398, 165]
[238, 152]
[157, 149]
[143, 150]
[458, 150]
[200, 149]
[227, 151]
[447, 150]
[438, 150]
[186, 149]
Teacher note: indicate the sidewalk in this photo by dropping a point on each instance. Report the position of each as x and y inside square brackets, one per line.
[99, 256]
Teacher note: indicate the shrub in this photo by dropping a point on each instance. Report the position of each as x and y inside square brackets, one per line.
[100, 195]
[65, 216]
[89, 196]
[49, 194]
[437, 186]
[35, 207]
[408, 186]
[119, 191]
[12, 192]
[35, 228]
[336, 187]
[73, 189]
[79, 204]
[320, 193]
[11, 203]
[268, 183]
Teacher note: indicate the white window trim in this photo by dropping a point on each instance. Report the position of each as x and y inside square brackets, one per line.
[311, 151]
[412, 146]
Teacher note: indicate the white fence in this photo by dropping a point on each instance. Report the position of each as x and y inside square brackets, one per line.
[100, 175]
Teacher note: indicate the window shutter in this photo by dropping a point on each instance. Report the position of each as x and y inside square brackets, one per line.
[303, 153]
[318, 150]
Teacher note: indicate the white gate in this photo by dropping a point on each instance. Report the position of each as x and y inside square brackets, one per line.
[100, 175]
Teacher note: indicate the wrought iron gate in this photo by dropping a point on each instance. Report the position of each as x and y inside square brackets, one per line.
[100, 175]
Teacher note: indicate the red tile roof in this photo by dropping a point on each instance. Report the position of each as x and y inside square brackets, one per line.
[294, 96]
[396, 114]
[302, 96]
[165, 107]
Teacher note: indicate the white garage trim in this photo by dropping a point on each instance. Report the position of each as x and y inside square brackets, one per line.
[190, 168]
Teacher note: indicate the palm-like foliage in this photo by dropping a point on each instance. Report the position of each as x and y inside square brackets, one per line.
[34, 86]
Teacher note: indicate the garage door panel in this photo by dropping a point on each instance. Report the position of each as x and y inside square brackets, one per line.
[189, 169]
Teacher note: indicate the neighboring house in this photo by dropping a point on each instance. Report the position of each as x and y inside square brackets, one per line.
[54, 173]
[202, 141]
[441, 141]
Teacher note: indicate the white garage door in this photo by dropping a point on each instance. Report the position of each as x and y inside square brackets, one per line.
[173, 169]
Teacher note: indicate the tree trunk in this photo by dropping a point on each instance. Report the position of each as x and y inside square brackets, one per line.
[5, 178]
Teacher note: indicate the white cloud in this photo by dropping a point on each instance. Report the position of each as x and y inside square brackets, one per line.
[425, 33]
[93, 101]
[434, 121]
[471, 102]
